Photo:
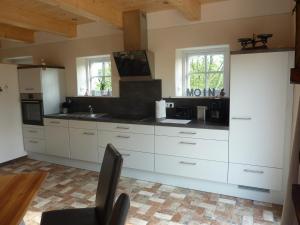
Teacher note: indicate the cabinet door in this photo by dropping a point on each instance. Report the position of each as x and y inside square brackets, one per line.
[57, 141]
[30, 80]
[258, 102]
[83, 144]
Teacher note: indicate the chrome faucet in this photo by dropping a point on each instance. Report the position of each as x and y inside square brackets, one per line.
[91, 109]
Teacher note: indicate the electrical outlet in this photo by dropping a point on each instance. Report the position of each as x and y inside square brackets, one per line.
[169, 104]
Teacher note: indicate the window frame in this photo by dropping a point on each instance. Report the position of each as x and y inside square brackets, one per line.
[88, 63]
[209, 50]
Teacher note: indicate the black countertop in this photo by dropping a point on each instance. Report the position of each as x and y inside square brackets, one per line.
[144, 121]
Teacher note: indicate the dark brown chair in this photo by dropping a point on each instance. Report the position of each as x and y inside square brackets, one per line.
[107, 185]
[120, 210]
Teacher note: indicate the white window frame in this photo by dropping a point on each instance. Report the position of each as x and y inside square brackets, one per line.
[184, 54]
[89, 62]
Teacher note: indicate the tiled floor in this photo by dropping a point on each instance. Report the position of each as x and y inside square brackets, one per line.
[151, 203]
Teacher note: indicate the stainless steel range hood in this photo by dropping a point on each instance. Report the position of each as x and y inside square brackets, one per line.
[136, 62]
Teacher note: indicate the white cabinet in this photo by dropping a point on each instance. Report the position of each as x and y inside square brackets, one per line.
[129, 141]
[30, 80]
[192, 148]
[193, 168]
[57, 137]
[258, 106]
[134, 142]
[134, 160]
[34, 138]
[255, 176]
[83, 141]
[191, 133]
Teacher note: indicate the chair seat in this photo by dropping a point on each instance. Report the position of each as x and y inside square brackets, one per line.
[86, 216]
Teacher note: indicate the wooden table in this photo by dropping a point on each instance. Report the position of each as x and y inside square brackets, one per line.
[16, 193]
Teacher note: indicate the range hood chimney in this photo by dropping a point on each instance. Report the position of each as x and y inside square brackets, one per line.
[136, 62]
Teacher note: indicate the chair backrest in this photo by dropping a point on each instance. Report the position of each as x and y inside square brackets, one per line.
[120, 210]
[107, 183]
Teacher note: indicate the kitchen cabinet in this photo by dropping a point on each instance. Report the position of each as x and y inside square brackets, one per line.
[134, 142]
[258, 108]
[30, 80]
[57, 137]
[83, 141]
[192, 168]
[259, 118]
[34, 138]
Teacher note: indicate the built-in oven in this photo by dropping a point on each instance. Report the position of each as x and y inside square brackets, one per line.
[32, 108]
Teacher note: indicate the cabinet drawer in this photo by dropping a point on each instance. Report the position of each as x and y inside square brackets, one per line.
[192, 148]
[82, 124]
[192, 133]
[124, 127]
[83, 144]
[135, 160]
[33, 132]
[193, 168]
[34, 145]
[56, 122]
[255, 176]
[128, 141]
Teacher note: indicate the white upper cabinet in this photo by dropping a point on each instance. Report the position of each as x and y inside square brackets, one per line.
[259, 95]
[30, 80]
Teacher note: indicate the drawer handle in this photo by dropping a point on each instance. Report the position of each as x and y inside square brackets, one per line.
[29, 89]
[122, 128]
[187, 163]
[185, 132]
[187, 143]
[126, 155]
[34, 142]
[54, 122]
[88, 133]
[253, 171]
[121, 136]
[241, 118]
[32, 131]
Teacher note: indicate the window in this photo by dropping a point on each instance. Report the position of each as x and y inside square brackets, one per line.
[94, 76]
[202, 72]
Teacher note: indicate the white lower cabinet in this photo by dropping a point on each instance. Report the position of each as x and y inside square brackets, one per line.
[255, 176]
[193, 168]
[83, 144]
[34, 145]
[129, 141]
[134, 160]
[192, 148]
[57, 141]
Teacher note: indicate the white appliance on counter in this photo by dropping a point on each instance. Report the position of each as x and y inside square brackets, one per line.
[42, 90]
[11, 140]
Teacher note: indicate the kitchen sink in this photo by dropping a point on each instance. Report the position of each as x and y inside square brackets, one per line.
[83, 115]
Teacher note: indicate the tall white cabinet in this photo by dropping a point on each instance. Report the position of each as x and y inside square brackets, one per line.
[11, 140]
[259, 115]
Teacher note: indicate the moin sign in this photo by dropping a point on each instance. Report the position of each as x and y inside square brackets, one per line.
[211, 92]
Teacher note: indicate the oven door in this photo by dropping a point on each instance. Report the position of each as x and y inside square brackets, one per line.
[32, 112]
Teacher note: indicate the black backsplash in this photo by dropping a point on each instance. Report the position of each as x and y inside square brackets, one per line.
[137, 100]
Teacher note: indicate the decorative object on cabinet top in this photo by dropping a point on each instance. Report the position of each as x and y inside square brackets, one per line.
[251, 43]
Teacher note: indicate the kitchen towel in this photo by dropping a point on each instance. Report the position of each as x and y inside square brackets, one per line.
[160, 109]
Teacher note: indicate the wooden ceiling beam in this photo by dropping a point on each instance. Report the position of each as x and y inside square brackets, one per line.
[15, 16]
[91, 9]
[16, 33]
[191, 9]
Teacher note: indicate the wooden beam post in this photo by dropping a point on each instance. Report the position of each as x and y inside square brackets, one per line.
[16, 33]
[191, 9]
[91, 9]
